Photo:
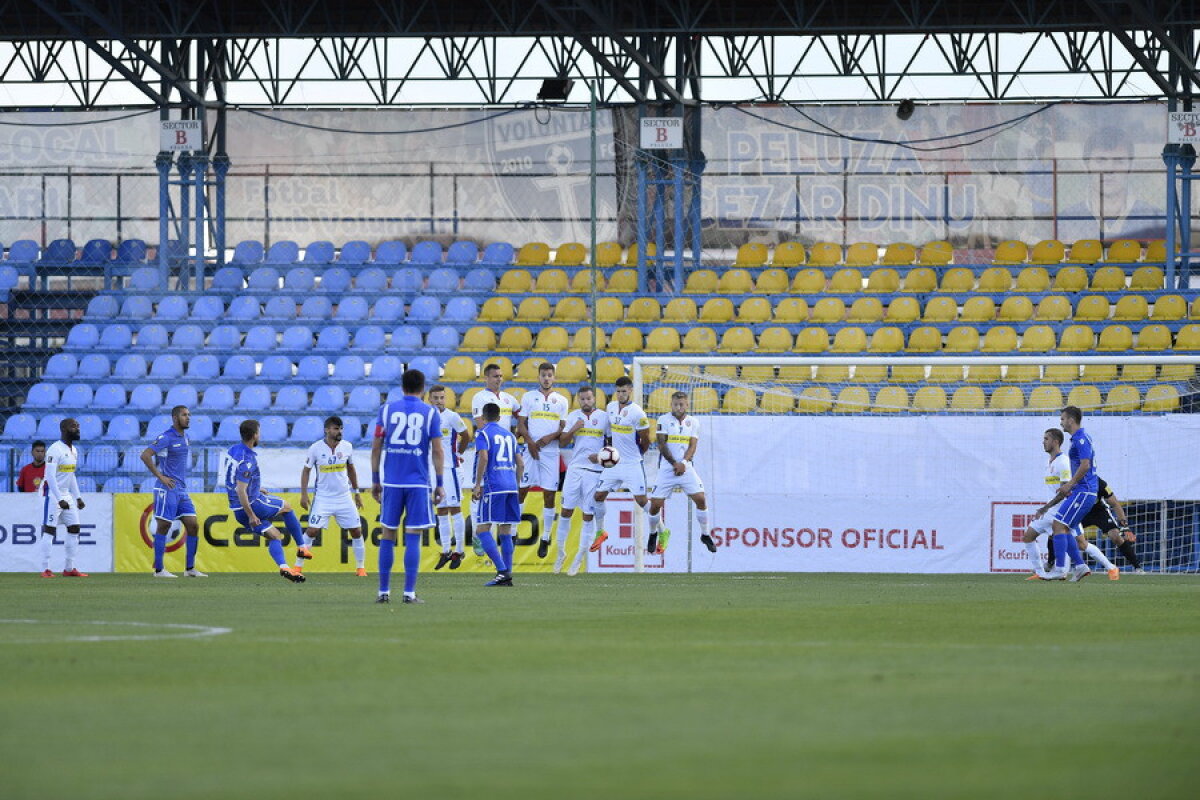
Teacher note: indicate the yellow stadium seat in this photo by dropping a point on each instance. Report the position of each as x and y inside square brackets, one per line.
[609, 368]
[978, 309]
[771, 281]
[725, 371]
[551, 339]
[496, 309]
[504, 363]
[631, 255]
[1010, 252]
[1015, 308]
[891, 400]
[570, 309]
[1061, 373]
[825, 254]
[964, 339]
[847, 280]
[903, 310]
[1161, 398]
[571, 254]
[828, 309]
[1006, 398]
[479, 339]
[862, 254]
[936, 254]
[581, 342]
[849, 340]
[1131, 307]
[1108, 279]
[791, 310]
[775, 340]
[643, 309]
[680, 309]
[1085, 251]
[870, 373]
[852, 400]
[904, 372]
[1093, 308]
[983, 373]
[865, 309]
[719, 309]
[1124, 251]
[929, 399]
[705, 400]
[515, 281]
[1147, 279]
[625, 340]
[1138, 372]
[812, 340]
[1033, 279]
[534, 254]
[777, 400]
[451, 398]
[967, 398]
[945, 373]
[1054, 308]
[919, 280]
[527, 370]
[808, 281]
[659, 401]
[830, 373]
[551, 281]
[609, 309]
[792, 373]
[1085, 397]
[699, 340]
[1045, 399]
[999, 339]
[899, 254]
[788, 255]
[886, 340]
[459, 369]
[1156, 251]
[995, 279]
[1023, 373]
[572, 369]
[582, 281]
[533, 309]
[515, 339]
[1123, 399]
[751, 254]
[1169, 307]
[1177, 372]
[926, 339]
[608, 254]
[737, 340]
[1099, 373]
[622, 281]
[1188, 338]
[940, 309]
[884, 279]
[1070, 279]
[958, 280]
[739, 400]
[1076, 339]
[754, 310]
[758, 372]
[1048, 251]
[701, 281]
[1194, 309]
[735, 281]
[464, 399]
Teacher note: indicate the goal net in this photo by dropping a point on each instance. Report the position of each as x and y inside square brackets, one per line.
[859, 463]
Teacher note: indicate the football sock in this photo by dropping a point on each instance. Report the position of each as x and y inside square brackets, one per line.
[1051, 554]
[598, 514]
[47, 543]
[360, 552]
[460, 525]
[488, 543]
[1060, 549]
[656, 522]
[585, 538]
[275, 548]
[412, 561]
[192, 542]
[548, 520]
[445, 532]
[702, 520]
[160, 550]
[292, 525]
[72, 543]
[387, 555]
[1097, 554]
[1073, 551]
[1034, 556]
[1126, 549]
[507, 545]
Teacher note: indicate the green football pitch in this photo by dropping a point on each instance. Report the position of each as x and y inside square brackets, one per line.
[601, 686]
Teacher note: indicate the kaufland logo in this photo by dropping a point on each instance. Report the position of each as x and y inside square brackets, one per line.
[1010, 518]
[619, 551]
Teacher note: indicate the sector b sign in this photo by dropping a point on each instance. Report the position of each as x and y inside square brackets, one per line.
[1183, 127]
[180, 134]
[662, 133]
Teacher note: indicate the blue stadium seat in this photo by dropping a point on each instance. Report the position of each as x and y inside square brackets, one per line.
[124, 428]
[184, 394]
[102, 458]
[223, 338]
[227, 431]
[307, 429]
[79, 395]
[207, 308]
[363, 399]
[276, 368]
[316, 308]
[204, 367]
[228, 279]
[352, 428]
[118, 484]
[297, 338]
[137, 307]
[130, 367]
[109, 395]
[83, 336]
[385, 369]
[58, 253]
[239, 368]
[290, 398]
[260, 338]
[327, 398]
[349, 368]
[94, 365]
[371, 279]
[263, 279]
[390, 253]
[20, 427]
[388, 309]
[272, 429]
[152, 337]
[369, 339]
[61, 365]
[172, 308]
[352, 309]
[145, 279]
[333, 338]
[443, 280]
[243, 308]
[280, 307]
[115, 337]
[48, 429]
[408, 279]
[147, 485]
[166, 367]
[426, 253]
[188, 337]
[42, 395]
[429, 365]
[498, 254]
[300, 279]
[217, 397]
[354, 253]
[442, 337]
[480, 279]
[424, 309]
[131, 462]
[131, 251]
[254, 398]
[200, 429]
[102, 307]
[312, 368]
[146, 397]
[95, 253]
[91, 427]
[335, 280]
[460, 309]
[318, 253]
[462, 254]
[406, 339]
[394, 395]
[247, 253]
[9, 277]
[284, 251]
[87, 484]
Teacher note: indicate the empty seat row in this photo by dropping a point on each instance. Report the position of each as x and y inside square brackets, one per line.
[64, 252]
[213, 397]
[243, 308]
[189, 338]
[913, 373]
[439, 280]
[241, 367]
[462, 254]
[203, 429]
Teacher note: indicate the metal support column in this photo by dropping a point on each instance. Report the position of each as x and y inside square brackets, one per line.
[200, 168]
[220, 169]
[184, 166]
[162, 163]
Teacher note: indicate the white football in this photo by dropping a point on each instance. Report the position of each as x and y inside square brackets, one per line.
[608, 457]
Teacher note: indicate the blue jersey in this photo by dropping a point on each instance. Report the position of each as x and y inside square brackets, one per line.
[1081, 448]
[240, 463]
[500, 475]
[407, 427]
[172, 456]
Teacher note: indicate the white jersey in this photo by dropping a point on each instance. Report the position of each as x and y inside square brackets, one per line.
[508, 407]
[679, 434]
[544, 415]
[60, 480]
[1057, 473]
[624, 424]
[453, 427]
[332, 479]
[588, 439]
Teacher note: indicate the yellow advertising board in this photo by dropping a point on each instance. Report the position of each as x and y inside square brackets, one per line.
[225, 546]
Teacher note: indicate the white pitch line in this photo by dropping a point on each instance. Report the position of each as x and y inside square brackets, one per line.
[185, 631]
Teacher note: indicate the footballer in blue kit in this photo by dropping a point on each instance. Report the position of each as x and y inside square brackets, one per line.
[407, 443]
[252, 507]
[498, 462]
[168, 458]
[1078, 495]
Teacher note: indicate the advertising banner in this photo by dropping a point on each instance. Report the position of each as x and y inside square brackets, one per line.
[20, 534]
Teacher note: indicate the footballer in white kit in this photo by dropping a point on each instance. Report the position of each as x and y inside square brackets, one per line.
[335, 493]
[540, 421]
[452, 525]
[1058, 472]
[491, 393]
[60, 488]
[678, 435]
[586, 429]
[629, 430]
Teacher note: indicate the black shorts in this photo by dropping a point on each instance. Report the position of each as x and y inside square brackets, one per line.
[1100, 516]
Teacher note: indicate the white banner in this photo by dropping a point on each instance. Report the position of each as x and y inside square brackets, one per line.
[20, 531]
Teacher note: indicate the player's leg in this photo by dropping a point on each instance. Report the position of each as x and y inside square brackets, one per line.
[418, 519]
[1038, 528]
[165, 513]
[546, 476]
[186, 510]
[484, 539]
[359, 546]
[389, 521]
[445, 532]
[506, 510]
[49, 523]
[1095, 553]
[71, 541]
[701, 503]
[291, 523]
[1123, 541]
[270, 533]
[1070, 513]
[565, 515]
[599, 509]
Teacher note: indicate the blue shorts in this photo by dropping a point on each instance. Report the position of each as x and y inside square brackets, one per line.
[265, 507]
[502, 508]
[171, 504]
[414, 503]
[1075, 507]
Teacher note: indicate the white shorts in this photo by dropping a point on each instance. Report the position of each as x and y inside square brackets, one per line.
[453, 487]
[668, 481]
[341, 509]
[579, 490]
[1043, 526]
[623, 476]
[543, 471]
[53, 515]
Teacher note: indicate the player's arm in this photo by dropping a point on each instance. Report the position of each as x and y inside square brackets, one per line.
[51, 481]
[352, 474]
[244, 498]
[439, 458]
[643, 439]
[568, 436]
[1064, 489]
[481, 462]
[75, 489]
[664, 451]
[1116, 506]
[520, 463]
[553, 437]
[376, 454]
[523, 432]
[304, 486]
[148, 460]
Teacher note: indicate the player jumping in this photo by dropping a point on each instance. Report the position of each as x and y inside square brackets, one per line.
[168, 458]
[59, 485]
[540, 422]
[335, 493]
[631, 437]
[452, 525]
[586, 427]
[678, 436]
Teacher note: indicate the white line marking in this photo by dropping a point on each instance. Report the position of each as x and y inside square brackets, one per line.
[184, 631]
